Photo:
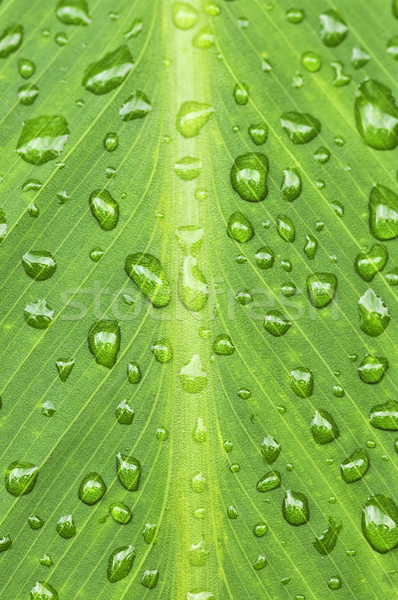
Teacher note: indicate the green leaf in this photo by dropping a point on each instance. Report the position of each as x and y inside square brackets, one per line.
[198, 228]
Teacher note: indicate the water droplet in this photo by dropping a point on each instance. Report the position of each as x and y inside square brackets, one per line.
[120, 563]
[295, 508]
[249, 176]
[322, 155]
[359, 57]
[198, 554]
[128, 471]
[64, 367]
[134, 29]
[373, 313]
[204, 39]
[380, 523]
[385, 416]
[191, 117]
[392, 277]
[321, 288]
[270, 449]
[340, 77]
[260, 529]
[311, 61]
[333, 29]
[28, 93]
[150, 578]
[188, 168]
[301, 128]
[162, 351]
[26, 68]
[323, 427]
[198, 483]
[241, 93]
[355, 466]
[10, 40]
[46, 560]
[310, 247]
[109, 72]
[43, 591]
[285, 228]
[48, 409]
[369, 262]
[192, 285]
[124, 413]
[260, 562]
[372, 368]
[92, 488]
[146, 271]
[264, 257]
[104, 342]
[38, 314]
[295, 15]
[39, 265]
[111, 141]
[244, 393]
[66, 527]
[334, 583]
[5, 543]
[184, 15]
[96, 254]
[104, 208]
[134, 375]
[199, 434]
[137, 106]
[212, 9]
[35, 522]
[42, 139]
[302, 382]
[149, 532]
[276, 323]
[259, 133]
[244, 297]
[61, 38]
[239, 228]
[376, 115]
[120, 512]
[223, 345]
[383, 212]
[291, 185]
[73, 12]
[193, 377]
[269, 481]
[326, 541]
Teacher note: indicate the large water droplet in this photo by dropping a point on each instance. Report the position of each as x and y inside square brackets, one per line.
[300, 127]
[373, 313]
[249, 176]
[42, 139]
[104, 208]
[129, 471]
[269, 481]
[39, 314]
[66, 527]
[380, 523]
[376, 115]
[109, 72]
[43, 591]
[137, 106]
[10, 40]
[73, 12]
[291, 184]
[239, 228]
[120, 512]
[191, 117]
[383, 213]
[184, 15]
[369, 262]
[39, 265]
[223, 345]
[21, 478]
[162, 350]
[150, 578]
[146, 271]
[193, 377]
[285, 228]
[323, 427]
[276, 323]
[373, 368]
[326, 541]
[302, 382]
[92, 488]
[321, 288]
[188, 168]
[192, 286]
[385, 416]
[295, 508]
[333, 29]
[355, 466]
[104, 342]
[120, 563]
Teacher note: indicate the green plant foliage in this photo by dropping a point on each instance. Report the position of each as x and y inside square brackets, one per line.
[198, 315]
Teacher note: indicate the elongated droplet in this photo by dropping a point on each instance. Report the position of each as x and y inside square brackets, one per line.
[291, 185]
[301, 128]
[285, 228]
[376, 115]
[239, 228]
[270, 449]
[323, 427]
[104, 208]
[373, 313]
[42, 139]
[373, 368]
[385, 416]
[193, 377]
[134, 373]
[120, 563]
[249, 176]
[39, 315]
[146, 271]
[129, 471]
[73, 12]
[92, 488]
[326, 541]
[104, 342]
[10, 40]
[311, 246]
[380, 523]
[109, 72]
[295, 508]
[355, 466]
[334, 29]
[188, 168]
[383, 213]
[137, 106]
[321, 288]
[43, 591]
[21, 477]
[269, 481]
[192, 285]
[191, 117]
